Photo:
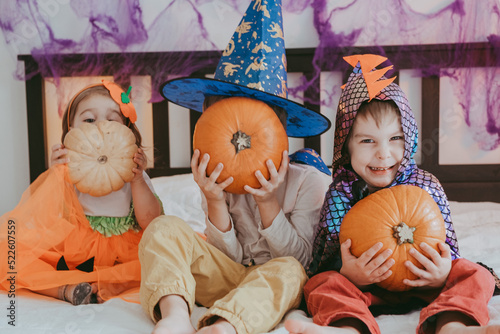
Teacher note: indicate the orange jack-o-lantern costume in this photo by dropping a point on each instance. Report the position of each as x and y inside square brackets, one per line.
[49, 242]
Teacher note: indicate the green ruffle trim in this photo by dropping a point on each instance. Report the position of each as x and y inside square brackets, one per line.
[109, 226]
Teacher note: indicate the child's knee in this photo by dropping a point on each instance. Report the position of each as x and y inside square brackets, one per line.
[290, 268]
[327, 278]
[165, 227]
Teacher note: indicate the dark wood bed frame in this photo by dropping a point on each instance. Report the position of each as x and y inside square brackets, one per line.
[467, 183]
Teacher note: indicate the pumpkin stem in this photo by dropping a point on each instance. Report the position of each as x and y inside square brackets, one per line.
[240, 141]
[403, 233]
[102, 159]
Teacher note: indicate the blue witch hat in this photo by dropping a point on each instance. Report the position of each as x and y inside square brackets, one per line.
[308, 156]
[252, 65]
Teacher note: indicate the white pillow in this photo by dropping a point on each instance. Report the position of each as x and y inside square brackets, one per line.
[181, 197]
[477, 225]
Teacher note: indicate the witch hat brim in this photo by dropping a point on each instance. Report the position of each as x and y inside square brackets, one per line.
[191, 92]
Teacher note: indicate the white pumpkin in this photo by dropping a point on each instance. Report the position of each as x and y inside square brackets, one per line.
[100, 157]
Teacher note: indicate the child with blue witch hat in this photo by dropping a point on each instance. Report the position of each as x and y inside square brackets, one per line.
[250, 271]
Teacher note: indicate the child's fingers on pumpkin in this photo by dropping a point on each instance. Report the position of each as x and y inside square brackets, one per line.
[140, 160]
[57, 147]
[381, 263]
[251, 191]
[345, 249]
[445, 250]
[58, 152]
[368, 255]
[202, 166]
[386, 274]
[194, 159]
[422, 273]
[432, 254]
[415, 283]
[216, 173]
[422, 259]
[60, 161]
[284, 163]
[226, 182]
[260, 177]
[273, 173]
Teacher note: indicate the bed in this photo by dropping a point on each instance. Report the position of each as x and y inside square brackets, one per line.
[477, 225]
[473, 188]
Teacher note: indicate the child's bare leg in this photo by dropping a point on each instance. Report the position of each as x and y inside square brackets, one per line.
[175, 316]
[347, 326]
[220, 326]
[458, 323]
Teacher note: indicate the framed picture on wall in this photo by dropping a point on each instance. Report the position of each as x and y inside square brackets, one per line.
[468, 117]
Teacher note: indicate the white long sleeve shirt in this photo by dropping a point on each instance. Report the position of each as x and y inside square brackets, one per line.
[115, 204]
[291, 233]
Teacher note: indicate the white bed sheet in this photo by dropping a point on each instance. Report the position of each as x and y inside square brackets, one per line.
[477, 226]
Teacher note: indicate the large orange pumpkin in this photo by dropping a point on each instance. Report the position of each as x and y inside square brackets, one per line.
[100, 157]
[401, 217]
[243, 134]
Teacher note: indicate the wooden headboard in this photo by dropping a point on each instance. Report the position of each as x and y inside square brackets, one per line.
[461, 182]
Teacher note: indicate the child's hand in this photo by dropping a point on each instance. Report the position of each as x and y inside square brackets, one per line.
[142, 162]
[211, 189]
[365, 270]
[267, 191]
[436, 269]
[58, 155]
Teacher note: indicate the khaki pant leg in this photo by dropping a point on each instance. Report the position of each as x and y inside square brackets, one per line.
[262, 298]
[175, 260]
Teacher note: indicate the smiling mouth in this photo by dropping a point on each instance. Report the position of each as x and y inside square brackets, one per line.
[381, 168]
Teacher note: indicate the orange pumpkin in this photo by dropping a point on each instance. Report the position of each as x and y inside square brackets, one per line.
[100, 157]
[401, 217]
[243, 134]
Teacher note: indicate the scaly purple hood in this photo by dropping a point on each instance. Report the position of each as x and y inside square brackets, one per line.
[340, 196]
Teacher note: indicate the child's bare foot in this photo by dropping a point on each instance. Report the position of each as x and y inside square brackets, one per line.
[174, 324]
[221, 326]
[459, 323]
[302, 327]
[458, 328]
[175, 316]
[76, 294]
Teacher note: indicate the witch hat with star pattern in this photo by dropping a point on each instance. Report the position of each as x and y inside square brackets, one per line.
[252, 65]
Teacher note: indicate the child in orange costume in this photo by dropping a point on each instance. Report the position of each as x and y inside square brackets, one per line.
[66, 242]
[375, 140]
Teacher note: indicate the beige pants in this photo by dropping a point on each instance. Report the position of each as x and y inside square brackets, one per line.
[175, 260]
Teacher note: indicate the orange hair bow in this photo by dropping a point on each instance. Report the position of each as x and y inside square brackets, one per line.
[122, 98]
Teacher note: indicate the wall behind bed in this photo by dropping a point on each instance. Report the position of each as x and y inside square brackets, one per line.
[165, 26]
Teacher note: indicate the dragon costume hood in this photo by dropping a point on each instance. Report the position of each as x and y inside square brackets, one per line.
[364, 84]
